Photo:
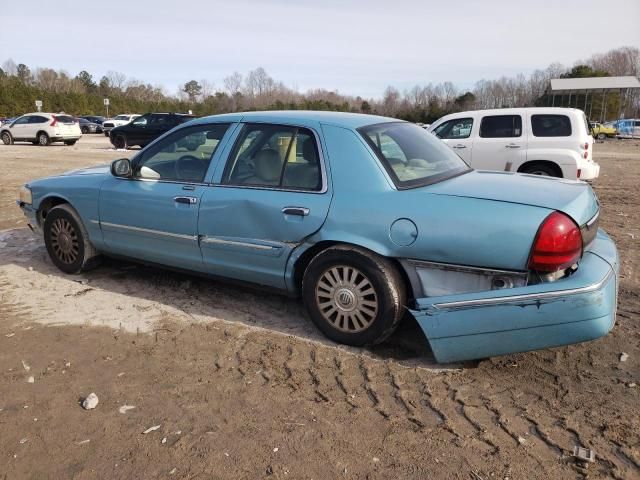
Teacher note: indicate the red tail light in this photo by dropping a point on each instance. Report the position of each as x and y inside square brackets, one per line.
[558, 244]
[54, 121]
[586, 146]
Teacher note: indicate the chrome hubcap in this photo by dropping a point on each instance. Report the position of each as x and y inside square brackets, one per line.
[64, 241]
[346, 299]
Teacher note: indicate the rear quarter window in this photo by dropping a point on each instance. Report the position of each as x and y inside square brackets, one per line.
[550, 126]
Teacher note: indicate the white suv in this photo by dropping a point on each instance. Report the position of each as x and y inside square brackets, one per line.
[123, 119]
[543, 141]
[41, 129]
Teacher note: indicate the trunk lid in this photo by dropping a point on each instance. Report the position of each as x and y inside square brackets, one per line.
[574, 198]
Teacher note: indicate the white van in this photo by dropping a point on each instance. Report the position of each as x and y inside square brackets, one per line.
[543, 141]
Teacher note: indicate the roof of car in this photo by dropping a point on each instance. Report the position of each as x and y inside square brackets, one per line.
[341, 119]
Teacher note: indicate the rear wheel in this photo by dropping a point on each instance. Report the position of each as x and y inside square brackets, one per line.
[67, 240]
[84, 130]
[601, 136]
[353, 296]
[7, 139]
[43, 139]
[542, 169]
[120, 142]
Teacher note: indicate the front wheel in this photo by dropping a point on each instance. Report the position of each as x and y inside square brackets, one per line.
[119, 142]
[353, 296]
[7, 139]
[67, 240]
[601, 136]
[43, 139]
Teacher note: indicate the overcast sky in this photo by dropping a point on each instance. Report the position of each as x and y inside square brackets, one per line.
[357, 47]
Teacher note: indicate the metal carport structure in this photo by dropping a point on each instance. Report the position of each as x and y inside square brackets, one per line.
[626, 87]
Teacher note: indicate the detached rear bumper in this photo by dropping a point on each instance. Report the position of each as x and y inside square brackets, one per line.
[575, 309]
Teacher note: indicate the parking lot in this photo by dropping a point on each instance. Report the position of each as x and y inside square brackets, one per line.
[242, 385]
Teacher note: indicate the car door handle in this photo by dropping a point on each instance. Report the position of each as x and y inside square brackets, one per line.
[459, 146]
[186, 200]
[512, 145]
[300, 211]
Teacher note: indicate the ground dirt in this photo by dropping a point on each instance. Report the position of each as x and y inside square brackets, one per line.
[242, 385]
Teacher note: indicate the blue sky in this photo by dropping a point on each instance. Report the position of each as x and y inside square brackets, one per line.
[357, 47]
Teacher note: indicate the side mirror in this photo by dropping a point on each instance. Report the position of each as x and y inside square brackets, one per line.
[121, 168]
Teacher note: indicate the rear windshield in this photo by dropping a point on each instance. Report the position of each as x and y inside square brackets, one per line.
[412, 156]
[65, 119]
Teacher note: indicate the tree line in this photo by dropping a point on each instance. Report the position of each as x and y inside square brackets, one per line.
[81, 94]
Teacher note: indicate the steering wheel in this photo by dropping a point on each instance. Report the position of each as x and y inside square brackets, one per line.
[182, 172]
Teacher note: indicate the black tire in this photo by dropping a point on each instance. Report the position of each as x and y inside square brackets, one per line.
[601, 136]
[70, 142]
[43, 139]
[7, 139]
[35, 142]
[106, 134]
[67, 240]
[119, 141]
[384, 280]
[84, 129]
[541, 169]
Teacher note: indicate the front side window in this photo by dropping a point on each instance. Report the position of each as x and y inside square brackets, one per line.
[551, 126]
[183, 156]
[458, 128]
[412, 156]
[22, 120]
[501, 126]
[275, 156]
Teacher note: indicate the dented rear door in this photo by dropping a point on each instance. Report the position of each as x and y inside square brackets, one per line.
[247, 233]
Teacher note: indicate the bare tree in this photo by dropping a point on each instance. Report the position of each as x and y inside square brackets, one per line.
[117, 80]
[10, 67]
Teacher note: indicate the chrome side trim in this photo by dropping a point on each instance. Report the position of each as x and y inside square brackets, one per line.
[237, 243]
[97, 222]
[465, 268]
[594, 219]
[148, 230]
[527, 297]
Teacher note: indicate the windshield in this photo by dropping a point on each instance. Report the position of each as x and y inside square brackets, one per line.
[412, 156]
[122, 117]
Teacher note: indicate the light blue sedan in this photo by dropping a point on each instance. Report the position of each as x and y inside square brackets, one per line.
[366, 218]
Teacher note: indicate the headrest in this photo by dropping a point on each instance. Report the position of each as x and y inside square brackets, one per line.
[268, 165]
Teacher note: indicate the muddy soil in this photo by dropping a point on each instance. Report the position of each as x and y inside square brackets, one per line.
[242, 385]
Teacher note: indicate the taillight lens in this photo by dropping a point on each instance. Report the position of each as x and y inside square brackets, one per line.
[54, 121]
[558, 244]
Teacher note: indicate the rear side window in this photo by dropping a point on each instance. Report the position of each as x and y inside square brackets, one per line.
[501, 126]
[38, 119]
[274, 156]
[551, 126]
[457, 128]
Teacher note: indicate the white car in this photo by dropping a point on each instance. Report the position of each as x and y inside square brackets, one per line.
[544, 141]
[41, 129]
[123, 119]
